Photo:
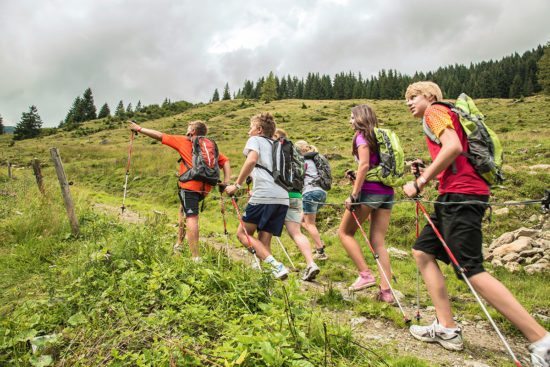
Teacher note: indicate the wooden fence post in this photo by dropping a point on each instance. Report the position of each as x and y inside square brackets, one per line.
[38, 175]
[9, 170]
[54, 152]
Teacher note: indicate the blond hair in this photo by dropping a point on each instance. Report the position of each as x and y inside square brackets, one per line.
[304, 147]
[280, 133]
[266, 122]
[427, 89]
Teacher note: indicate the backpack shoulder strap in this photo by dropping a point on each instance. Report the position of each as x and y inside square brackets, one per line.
[272, 155]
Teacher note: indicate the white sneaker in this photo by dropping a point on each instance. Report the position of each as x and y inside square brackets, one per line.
[450, 339]
[279, 271]
[197, 259]
[178, 248]
[311, 272]
[540, 354]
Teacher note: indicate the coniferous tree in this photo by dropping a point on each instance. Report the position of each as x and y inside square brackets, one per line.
[516, 87]
[138, 107]
[543, 72]
[29, 125]
[226, 94]
[216, 96]
[1, 125]
[129, 109]
[119, 112]
[76, 114]
[88, 107]
[269, 89]
[104, 111]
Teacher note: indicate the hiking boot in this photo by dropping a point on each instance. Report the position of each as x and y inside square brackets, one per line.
[450, 339]
[320, 255]
[385, 295]
[311, 272]
[362, 282]
[279, 271]
[540, 354]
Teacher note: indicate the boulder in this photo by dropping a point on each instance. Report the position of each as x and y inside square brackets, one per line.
[519, 245]
[496, 262]
[512, 256]
[513, 267]
[504, 238]
[537, 268]
[531, 252]
[526, 232]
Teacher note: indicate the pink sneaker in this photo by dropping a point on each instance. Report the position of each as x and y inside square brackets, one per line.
[362, 282]
[385, 295]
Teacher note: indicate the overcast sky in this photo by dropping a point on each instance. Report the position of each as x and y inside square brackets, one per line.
[52, 50]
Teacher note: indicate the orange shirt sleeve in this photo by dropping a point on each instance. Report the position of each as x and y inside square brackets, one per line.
[222, 159]
[438, 119]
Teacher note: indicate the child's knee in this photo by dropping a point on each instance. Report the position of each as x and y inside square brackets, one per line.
[421, 256]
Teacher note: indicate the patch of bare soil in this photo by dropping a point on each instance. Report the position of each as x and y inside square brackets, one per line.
[128, 215]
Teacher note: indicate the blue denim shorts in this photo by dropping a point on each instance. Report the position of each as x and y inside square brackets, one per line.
[377, 201]
[313, 201]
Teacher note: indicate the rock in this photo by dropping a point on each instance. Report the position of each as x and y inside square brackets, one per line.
[400, 296]
[475, 364]
[531, 252]
[543, 244]
[496, 262]
[526, 232]
[542, 317]
[533, 218]
[357, 321]
[540, 166]
[430, 308]
[397, 254]
[502, 211]
[537, 268]
[503, 239]
[533, 259]
[513, 256]
[519, 245]
[513, 267]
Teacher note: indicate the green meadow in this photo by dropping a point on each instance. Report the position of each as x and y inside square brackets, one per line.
[116, 295]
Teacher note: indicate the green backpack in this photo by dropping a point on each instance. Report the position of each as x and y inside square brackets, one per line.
[484, 149]
[392, 159]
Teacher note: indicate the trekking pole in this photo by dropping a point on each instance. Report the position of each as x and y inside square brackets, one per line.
[462, 272]
[377, 258]
[221, 188]
[127, 170]
[286, 253]
[181, 228]
[249, 247]
[418, 165]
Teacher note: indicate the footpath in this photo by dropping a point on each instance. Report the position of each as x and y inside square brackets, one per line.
[482, 347]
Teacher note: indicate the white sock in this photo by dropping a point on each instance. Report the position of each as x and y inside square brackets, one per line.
[446, 329]
[543, 343]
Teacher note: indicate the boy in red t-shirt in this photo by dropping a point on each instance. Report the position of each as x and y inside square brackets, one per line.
[190, 192]
[460, 226]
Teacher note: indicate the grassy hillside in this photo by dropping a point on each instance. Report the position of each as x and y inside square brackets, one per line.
[117, 295]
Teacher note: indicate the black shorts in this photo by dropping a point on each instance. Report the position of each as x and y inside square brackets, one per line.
[460, 226]
[190, 201]
[268, 217]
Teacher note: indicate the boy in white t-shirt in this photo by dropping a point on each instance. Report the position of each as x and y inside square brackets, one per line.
[268, 204]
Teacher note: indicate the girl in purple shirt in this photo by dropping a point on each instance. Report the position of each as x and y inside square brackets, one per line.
[376, 200]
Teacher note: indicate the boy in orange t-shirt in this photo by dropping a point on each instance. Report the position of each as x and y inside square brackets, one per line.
[190, 192]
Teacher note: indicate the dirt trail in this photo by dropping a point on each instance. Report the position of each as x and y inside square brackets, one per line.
[482, 346]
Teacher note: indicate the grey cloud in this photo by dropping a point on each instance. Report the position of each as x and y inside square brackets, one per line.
[130, 50]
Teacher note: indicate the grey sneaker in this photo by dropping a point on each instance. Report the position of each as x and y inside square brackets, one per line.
[434, 333]
[279, 271]
[540, 357]
[311, 272]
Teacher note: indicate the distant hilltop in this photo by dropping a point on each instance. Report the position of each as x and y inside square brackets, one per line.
[9, 129]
